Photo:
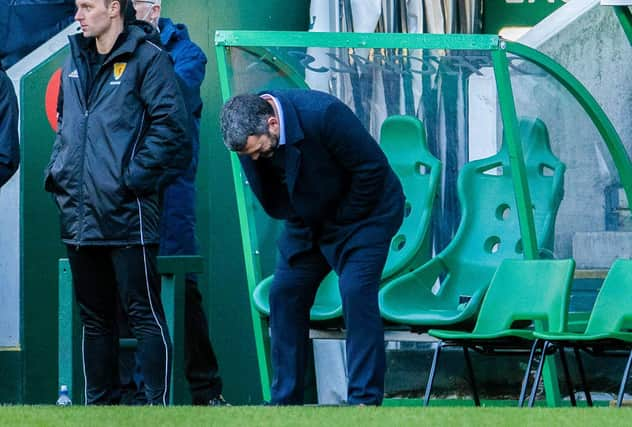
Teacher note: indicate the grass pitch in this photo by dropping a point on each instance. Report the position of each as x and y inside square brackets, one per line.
[310, 416]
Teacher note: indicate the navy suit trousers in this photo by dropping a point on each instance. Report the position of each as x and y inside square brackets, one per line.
[291, 297]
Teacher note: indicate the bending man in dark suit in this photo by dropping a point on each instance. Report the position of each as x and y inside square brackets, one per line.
[311, 163]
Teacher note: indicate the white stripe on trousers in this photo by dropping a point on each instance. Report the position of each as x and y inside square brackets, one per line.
[83, 360]
[151, 305]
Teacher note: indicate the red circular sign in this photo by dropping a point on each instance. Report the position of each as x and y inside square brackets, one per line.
[52, 93]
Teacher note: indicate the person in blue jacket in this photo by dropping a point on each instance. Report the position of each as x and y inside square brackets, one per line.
[9, 143]
[177, 224]
[312, 164]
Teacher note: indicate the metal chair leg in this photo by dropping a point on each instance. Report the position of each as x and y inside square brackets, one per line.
[567, 375]
[624, 381]
[470, 372]
[538, 374]
[582, 375]
[525, 379]
[435, 361]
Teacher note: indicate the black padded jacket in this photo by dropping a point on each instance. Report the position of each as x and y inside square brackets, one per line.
[122, 137]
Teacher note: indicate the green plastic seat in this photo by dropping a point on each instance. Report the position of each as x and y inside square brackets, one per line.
[327, 304]
[521, 293]
[611, 316]
[403, 140]
[610, 322]
[520, 290]
[488, 233]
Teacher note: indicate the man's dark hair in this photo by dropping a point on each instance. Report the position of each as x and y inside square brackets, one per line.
[243, 116]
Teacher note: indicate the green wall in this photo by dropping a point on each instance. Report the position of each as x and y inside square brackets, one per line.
[10, 375]
[526, 13]
[40, 241]
[224, 285]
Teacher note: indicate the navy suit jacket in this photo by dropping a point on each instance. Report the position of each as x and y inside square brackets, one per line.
[339, 191]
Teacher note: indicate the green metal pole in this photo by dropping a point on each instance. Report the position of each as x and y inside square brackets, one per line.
[356, 40]
[625, 18]
[248, 242]
[173, 270]
[67, 315]
[524, 205]
[511, 134]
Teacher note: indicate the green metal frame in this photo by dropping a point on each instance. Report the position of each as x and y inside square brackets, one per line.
[511, 133]
[499, 49]
[625, 18]
[356, 40]
[605, 128]
[521, 187]
[248, 241]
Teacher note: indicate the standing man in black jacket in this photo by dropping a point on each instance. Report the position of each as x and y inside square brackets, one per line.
[9, 145]
[121, 139]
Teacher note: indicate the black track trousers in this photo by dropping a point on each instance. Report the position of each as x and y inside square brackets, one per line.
[100, 275]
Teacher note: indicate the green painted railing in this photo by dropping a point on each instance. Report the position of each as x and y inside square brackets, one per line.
[625, 18]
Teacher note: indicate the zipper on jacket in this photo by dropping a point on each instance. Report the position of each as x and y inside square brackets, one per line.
[87, 97]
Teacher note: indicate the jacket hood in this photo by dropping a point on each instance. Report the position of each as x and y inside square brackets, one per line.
[170, 31]
[150, 33]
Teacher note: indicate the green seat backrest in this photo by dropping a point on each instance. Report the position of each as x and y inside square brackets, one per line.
[403, 140]
[547, 184]
[489, 230]
[612, 311]
[521, 290]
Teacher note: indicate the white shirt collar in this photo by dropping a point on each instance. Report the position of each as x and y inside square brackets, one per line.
[279, 111]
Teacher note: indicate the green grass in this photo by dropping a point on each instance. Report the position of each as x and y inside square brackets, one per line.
[310, 416]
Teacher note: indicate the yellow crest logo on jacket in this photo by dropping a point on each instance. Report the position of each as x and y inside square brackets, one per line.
[119, 69]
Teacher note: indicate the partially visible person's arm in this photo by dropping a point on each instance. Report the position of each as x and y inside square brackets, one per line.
[190, 65]
[9, 142]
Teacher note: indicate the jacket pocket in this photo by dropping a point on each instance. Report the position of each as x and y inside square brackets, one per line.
[52, 175]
